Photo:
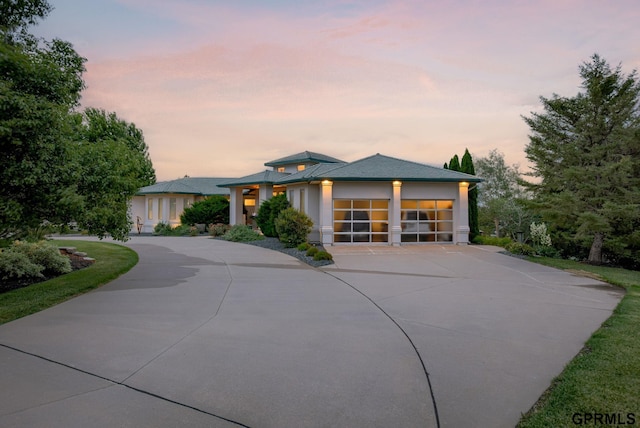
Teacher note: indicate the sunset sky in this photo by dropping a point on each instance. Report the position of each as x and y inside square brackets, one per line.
[220, 87]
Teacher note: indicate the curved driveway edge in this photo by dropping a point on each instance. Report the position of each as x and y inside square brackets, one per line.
[208, 333]
[493, 330]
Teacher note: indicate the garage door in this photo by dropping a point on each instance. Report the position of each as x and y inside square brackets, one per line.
[360, 220]
[427, 220]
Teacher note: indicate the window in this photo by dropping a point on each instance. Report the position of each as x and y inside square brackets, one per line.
[150, 209]
[160, 202]
[426, 220]
[280, 169]
[363, 220]
[172, 209]
[301, 167]
[186, 203]
[302, 201]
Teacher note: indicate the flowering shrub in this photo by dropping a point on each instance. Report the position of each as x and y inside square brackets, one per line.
[539, 235]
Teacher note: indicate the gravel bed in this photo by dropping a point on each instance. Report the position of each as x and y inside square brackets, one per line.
[275, 244]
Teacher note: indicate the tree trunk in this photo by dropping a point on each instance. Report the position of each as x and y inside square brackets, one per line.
[496, 222]
[595, 254]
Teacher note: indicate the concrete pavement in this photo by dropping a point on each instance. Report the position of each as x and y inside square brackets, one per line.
[208, 333]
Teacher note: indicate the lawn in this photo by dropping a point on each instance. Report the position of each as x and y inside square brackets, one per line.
[601, 385]
[112, 260]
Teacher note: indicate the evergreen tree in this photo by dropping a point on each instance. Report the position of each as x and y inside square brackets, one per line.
[454, 164]
[585, 152]
[467, 167]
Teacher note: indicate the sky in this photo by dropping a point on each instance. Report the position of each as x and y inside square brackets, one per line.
[221, 87]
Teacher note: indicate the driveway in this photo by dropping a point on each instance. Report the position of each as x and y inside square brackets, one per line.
[208, 333]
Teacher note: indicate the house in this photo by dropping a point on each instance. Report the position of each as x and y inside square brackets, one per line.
[378, 199]
[164, 202]
[375, 200]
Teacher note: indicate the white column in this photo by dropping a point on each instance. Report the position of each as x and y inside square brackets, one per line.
[148, 223]
[462, 230]
[326, 213]
[235, 206]
[396, 227]
[165, 210]
[265, 192]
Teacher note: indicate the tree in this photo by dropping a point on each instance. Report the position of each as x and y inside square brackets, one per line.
[454, 163]
[467, 167]
[500, 196]
[585, 152]
[17, 15]
[58, 165]
[110, 165]
[40, 83]
[98, 125]
[269, 211]
[500, 180]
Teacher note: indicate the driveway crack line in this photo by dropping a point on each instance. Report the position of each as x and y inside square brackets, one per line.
[161, 353]
[415, 348]
[114, 382]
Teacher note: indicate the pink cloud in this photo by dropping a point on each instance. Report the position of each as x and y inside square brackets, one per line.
[421, 80]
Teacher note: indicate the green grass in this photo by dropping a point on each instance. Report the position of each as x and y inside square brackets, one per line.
[112, 260]
[604, 377]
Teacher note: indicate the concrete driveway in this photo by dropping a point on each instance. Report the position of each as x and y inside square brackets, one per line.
[208, 333]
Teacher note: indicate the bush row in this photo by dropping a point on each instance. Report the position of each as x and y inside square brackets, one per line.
[25, 260]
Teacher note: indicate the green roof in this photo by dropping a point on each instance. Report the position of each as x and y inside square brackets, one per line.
[311, 173]
[204, 186]
[264, 177]
[303, 157]
[380, 168]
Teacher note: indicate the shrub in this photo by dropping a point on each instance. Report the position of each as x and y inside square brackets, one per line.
[492, 240]
[293, 227]
[268, 212]
[45, 255]
[242, 233]
[304, 246]
[15, 265]
[539, 235]
[312, 251]
[547, 252]
[214, 209]
[520, 249]
[218, 229]
[322, 255]
[162, 229]
[165, 229]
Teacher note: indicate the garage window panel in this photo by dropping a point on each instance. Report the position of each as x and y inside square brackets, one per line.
[426, 220]
[361, 220]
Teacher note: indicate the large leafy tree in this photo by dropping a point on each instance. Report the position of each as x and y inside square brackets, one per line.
[585, 152]
[40, 83]
[97, 125]
[110, 165]
[58, 165]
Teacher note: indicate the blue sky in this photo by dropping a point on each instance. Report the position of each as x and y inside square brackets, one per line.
[220, 87]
